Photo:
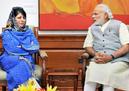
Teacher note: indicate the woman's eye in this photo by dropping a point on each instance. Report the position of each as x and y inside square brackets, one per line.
[19, 17]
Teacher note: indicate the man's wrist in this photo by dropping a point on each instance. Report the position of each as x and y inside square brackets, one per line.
[94, 54]
[113, 57]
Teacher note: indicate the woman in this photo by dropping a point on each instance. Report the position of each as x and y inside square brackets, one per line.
[19, 44]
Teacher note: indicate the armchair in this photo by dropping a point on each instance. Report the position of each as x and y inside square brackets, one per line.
[40, 59]
[85, 57]
[85, 62]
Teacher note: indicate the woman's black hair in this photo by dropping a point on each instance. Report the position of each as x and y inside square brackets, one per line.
[15, 11]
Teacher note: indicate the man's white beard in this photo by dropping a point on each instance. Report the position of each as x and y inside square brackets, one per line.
[99, 22]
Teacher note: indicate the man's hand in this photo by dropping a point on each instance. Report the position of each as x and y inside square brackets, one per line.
[102, 58]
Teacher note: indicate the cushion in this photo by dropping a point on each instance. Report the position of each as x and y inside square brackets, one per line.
[37, 72]
[2, 74]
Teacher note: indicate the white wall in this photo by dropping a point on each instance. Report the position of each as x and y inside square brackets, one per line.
[30, 6]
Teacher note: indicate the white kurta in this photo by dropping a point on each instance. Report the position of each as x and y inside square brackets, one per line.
[112, 74]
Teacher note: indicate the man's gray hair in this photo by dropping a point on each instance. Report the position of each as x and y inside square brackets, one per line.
[107, 10]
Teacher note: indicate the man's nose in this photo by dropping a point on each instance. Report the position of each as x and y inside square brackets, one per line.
[93, 16]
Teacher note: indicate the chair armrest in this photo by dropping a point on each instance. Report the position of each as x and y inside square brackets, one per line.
[43, 54]
[84, 57]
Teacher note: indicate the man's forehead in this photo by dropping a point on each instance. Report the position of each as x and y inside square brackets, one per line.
[98, 9]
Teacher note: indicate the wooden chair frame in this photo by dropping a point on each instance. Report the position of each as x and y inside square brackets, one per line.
[85, 62]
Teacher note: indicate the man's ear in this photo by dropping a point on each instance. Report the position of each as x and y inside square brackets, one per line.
[105, 15]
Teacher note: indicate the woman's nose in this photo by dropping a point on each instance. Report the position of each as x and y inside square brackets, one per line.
[23, 19]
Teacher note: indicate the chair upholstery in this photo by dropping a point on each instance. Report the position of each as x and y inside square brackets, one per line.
[39, 68]
[2, 74]
[37, 72]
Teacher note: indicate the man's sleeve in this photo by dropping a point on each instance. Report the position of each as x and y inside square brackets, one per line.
[88, 40]
[124, 34]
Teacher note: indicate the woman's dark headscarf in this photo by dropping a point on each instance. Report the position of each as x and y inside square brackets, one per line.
[11, 20]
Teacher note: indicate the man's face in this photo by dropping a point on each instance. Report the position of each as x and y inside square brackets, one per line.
[99, 16]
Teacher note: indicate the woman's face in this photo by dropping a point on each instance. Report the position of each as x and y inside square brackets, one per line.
[20, 20]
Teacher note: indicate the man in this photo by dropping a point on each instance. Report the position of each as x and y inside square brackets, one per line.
[108, 43]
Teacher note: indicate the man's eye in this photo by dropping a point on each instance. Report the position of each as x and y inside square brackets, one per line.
[95, 14]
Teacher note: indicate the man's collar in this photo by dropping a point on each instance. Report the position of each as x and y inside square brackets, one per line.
[106, 23]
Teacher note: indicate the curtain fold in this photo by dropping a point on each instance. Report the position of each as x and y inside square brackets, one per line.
[118, 6]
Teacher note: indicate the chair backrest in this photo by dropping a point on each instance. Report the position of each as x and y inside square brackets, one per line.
[35, 30]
